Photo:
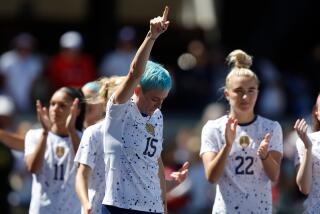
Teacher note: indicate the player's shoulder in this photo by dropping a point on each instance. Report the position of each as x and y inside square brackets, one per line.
[267, 121]
[95, 128]
[217, 123]
[34, 132]
[314, 135]
[158, 114]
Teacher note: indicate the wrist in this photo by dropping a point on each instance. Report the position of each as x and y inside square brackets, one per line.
[72, 131]
[227, 147]
[151, 37]
[265, 158]
[44, 132]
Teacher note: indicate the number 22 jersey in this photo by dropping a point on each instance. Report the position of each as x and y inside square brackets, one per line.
[132, 147]
[244, 186]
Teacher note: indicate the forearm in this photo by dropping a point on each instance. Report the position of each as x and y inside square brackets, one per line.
[137, 67]
[162, 184]
[75, 139]
[271, 166]
[82, 187]
[215, 168]
[304, 175]
[140, 60]
[13, 141]
[34, 161]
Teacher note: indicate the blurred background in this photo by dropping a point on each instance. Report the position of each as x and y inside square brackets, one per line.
[47, 44]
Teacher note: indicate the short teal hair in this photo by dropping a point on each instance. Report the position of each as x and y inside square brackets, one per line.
[155, 76]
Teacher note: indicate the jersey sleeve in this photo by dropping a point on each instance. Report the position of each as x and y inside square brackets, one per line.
[115, 111]
[209, 139]
[87, 150]
[276, 141]
[299, 152]
[31, 141]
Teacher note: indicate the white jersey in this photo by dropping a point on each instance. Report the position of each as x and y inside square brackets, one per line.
[312, 203]
[90, 153]
[53, 186]
[132, 146]
[244, 186]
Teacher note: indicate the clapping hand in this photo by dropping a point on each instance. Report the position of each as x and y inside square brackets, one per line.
[71, 119]
[43, 116]
[263, 149]
[301, 127]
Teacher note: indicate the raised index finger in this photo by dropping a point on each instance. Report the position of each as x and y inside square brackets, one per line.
[165, 14]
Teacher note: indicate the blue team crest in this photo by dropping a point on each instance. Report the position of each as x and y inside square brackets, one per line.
[60, 151]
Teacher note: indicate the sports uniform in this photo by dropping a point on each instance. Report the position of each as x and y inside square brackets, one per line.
[90, 153]
[132, 147]
[53, 185]
[244, 186]
[312, 203]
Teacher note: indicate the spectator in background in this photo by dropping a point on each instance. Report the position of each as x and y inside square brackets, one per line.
[71, 67]
[118, 61]
[20, 63]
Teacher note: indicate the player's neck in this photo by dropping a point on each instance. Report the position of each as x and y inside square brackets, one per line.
[243, 118]
[59, 130]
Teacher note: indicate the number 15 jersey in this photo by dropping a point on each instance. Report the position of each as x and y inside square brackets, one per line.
[132, 147]
[244, 186]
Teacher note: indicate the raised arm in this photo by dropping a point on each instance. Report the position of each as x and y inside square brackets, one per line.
[34, 161]
[158, 25]
[214, 163]
[304, 169]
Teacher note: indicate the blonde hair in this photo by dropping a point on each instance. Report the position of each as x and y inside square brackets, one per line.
[107, 86]
[239, 62]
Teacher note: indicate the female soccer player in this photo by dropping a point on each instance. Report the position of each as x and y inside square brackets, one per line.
[50, 150]
[90, 180]
[307, 160]
[242, 151]
[133, 134]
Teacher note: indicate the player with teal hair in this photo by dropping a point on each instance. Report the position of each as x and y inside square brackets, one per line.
[155, 77]
[133, 135]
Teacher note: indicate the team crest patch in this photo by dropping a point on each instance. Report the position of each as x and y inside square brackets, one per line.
[150, 128]
[244, 141]
[59, 151]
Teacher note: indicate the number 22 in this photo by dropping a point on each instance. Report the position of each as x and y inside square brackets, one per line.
[247, 170]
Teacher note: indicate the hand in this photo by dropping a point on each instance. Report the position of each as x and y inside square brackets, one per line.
[43, 116]
[71, 119]
[87, 208]
[263, 149]
[301, 128]
[231, 130]
[159, 24]
[181, 174]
